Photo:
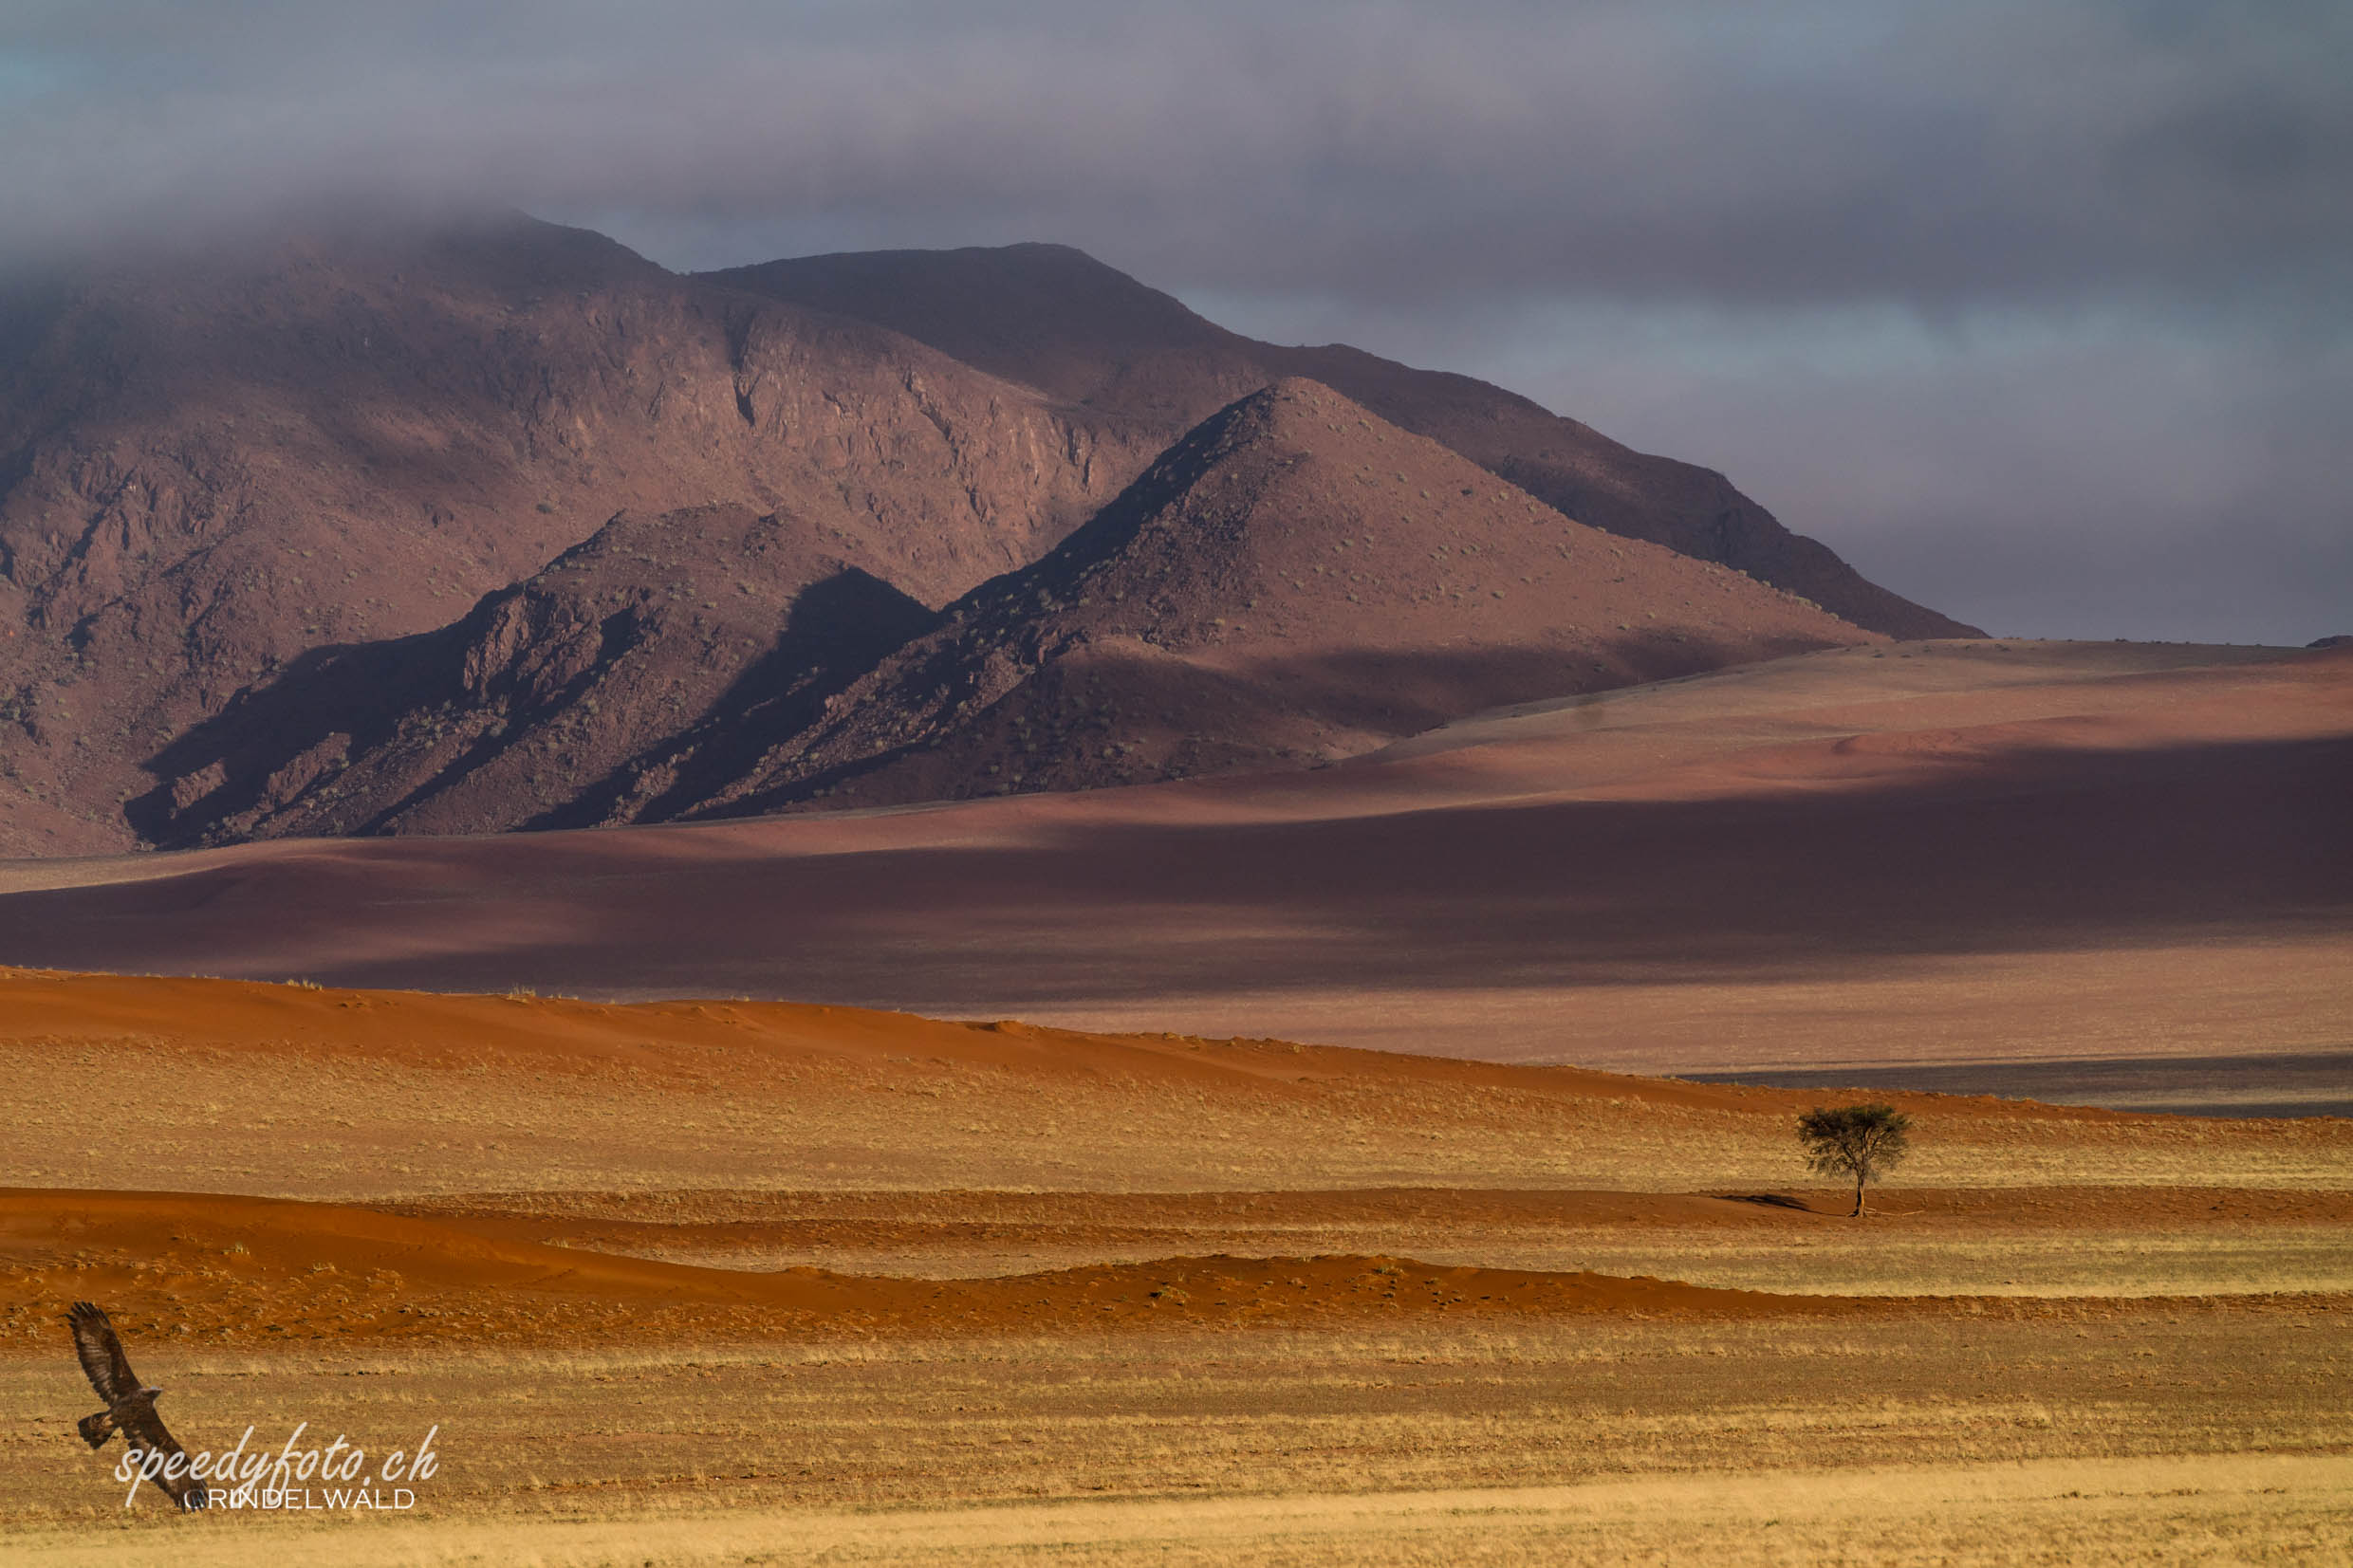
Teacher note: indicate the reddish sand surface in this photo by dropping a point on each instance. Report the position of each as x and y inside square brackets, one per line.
[1960, 855]
[760, 1134]
[261, 1271]
[539, 1262]
[549, 1267]
[252, 1269]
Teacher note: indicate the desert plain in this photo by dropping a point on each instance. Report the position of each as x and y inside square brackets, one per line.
[1386, 1163]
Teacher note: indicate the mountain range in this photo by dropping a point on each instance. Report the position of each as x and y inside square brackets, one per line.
[494, 524]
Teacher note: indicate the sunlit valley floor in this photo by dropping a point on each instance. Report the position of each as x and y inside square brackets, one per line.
[729, 1281]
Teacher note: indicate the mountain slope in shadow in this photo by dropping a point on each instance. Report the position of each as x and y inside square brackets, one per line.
[540, 707]
[1295, 581]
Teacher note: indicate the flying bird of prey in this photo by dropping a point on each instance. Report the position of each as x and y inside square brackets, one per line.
[130, 1406]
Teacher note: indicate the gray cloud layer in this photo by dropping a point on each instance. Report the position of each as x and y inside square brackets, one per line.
[1999, 298]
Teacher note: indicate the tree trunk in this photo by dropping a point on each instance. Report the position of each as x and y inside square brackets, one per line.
[1858, 1196]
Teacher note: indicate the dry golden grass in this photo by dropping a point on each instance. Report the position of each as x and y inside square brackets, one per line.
[2185, 1406]
[2237, 1508]
[2079, 1262]
[1632, 1431]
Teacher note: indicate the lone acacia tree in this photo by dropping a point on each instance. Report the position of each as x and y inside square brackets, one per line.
[1862, 1141]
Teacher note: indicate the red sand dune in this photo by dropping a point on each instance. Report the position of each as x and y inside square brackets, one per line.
[262, 1270]
[252, 1268]
[276, 1026]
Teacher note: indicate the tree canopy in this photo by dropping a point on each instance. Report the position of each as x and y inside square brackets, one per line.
[1862, 1141]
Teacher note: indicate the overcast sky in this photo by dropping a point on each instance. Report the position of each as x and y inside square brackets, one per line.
[2036, 312]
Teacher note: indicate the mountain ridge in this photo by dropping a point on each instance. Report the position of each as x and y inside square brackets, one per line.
[1013, 312]
[235, 490]
[214, 470]
[1260, 597]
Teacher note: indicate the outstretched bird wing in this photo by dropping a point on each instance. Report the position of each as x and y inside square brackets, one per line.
[147, 1430]
[101, 1349]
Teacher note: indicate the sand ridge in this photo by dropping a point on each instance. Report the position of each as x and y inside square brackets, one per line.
[527, 1032]
[215, 1265]
[306, 1091]
[224, 1268]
